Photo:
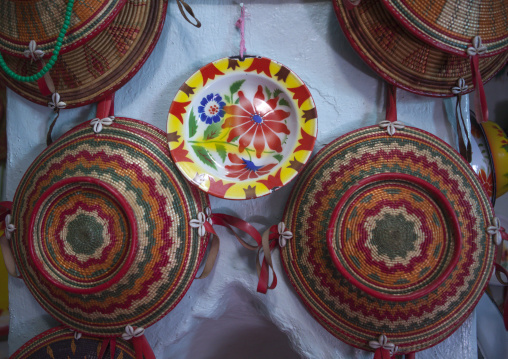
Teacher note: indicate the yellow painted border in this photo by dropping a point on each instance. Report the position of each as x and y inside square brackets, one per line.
[290, 166]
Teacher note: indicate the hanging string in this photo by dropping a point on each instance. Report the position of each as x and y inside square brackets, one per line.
[391, 124]
[240, 24]
[464, 146]
[49, 139]
[475, 51]
[183, 5]
[56, 105]
[391, 103]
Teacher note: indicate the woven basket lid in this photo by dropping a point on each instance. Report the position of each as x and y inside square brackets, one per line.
[401, 58]
[102, 234]
[101, 66]
[60, 343]
[382, 208]
[451, 24]
[42, 20]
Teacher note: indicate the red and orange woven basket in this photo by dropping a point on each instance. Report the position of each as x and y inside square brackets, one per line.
[389, 238]
[403, 59]
[94, 65]
[61, 343]
[451, 24]
[102, 235]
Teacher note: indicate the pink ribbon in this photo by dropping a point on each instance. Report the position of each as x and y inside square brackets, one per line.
[240, 24]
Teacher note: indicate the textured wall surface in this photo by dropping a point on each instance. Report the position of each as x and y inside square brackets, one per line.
[223, 315]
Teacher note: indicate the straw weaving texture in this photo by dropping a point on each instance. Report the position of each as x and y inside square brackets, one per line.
[59, 343]
[451, 24]
[81, 234]
[349, 313]
[41, 20]
[401, 58]
[393, 237]
[102, 65]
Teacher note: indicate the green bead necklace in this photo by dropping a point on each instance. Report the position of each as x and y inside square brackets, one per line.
[53, 58]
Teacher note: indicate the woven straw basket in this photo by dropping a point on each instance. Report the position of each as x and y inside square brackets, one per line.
[60, 343]
[390, 247]
[92, 67]
[102, 235]
[404, 60]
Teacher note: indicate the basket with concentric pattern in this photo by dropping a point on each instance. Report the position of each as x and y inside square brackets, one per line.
[41, 20]
[102, 234]
[404, 60]
[389, 237]
[61, 343]
[91, 70]
[451, 24]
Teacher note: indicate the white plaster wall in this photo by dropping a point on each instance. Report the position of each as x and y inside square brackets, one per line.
[223, 316]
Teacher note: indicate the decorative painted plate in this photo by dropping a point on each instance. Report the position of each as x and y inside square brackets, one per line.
[241, 129]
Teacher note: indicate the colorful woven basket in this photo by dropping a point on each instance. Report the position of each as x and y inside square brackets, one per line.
[451, 25]
[401, 58]
[41, 21]
[97, 68]
[61, 343]
[102, 236]
[389, 238]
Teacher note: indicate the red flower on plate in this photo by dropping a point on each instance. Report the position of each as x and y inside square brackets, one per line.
[244, 169]
[487, 182]
[257, 122]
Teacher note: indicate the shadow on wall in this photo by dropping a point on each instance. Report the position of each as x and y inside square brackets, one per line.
[240, 333]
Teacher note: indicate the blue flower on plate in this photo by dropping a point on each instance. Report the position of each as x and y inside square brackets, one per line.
[211, 109]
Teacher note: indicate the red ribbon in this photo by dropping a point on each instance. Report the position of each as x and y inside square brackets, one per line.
[43, 85]
[106, 107]
[228, 221]
[264, 274]
[142, 348]
[504, 235]
[6, 205]
[111, 342]
[350, 4]
[382, 353]
[391, 103]
[482, 112]
[498, 270]
[5, 209]
[231, 222]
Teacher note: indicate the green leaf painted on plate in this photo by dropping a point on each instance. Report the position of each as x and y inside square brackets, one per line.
[268, 93]
[193, 124]
[204, 156]
[278, 157]
[221, 150]
[228, 100]
[283, 102]
[276, 92]
[237, 101]
[212, 131]
[235, 86]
